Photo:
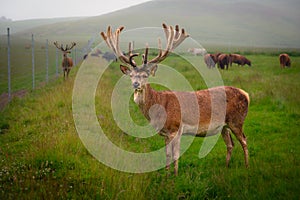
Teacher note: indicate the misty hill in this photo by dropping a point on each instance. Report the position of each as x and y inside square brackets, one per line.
[27, 25]
[235, 22]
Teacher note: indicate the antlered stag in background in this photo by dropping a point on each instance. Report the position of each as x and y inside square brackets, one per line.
[67, 62]
[178, 110]
[284, 60]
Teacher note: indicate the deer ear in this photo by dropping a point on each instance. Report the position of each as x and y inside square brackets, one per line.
[125, 69]
[153, 69]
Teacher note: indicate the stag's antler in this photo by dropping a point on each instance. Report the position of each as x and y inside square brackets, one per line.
[174, 39]
[112, 41]
[61, 47]
[72, 45]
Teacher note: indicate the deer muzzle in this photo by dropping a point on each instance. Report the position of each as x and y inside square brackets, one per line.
[136, 85]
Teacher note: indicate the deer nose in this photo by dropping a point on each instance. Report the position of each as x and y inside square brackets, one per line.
[135, 85]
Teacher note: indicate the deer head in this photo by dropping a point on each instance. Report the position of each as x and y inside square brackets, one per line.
[65, 50]
[140, 74]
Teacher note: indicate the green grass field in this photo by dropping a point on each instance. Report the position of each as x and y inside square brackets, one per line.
[42, 157]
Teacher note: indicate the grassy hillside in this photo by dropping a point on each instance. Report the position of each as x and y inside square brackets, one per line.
[230, 22]
[41, 155]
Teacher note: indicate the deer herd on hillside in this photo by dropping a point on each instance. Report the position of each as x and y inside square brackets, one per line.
[200, 113]
[222, 60]
[225, 60]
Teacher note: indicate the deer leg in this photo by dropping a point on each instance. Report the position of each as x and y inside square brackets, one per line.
[68, 71]
[238, 132]
[64, 71]
[168, 152]
[229, 143]
[176, 151]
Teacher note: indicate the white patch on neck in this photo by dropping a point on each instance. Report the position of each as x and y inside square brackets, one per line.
[138, 96]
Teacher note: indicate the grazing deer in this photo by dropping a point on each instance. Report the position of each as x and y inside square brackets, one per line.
[176, 109]
[67, 62]
[284, 60]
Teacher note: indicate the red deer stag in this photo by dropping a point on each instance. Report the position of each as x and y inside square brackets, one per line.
[67, 62]
[223, 61]
[211, 59]
[176, 108]
[239, 59]
[284, 60]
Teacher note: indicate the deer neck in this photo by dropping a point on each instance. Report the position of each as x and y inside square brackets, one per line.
[65, 61]
[145, 98]
[140, 95]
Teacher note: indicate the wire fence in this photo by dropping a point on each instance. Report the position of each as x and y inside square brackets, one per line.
[27, 64]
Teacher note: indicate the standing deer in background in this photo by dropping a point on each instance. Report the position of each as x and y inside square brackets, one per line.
[284, 60]
[177, 109]
[67, 62]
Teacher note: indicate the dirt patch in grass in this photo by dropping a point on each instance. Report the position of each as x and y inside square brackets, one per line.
[4, 98]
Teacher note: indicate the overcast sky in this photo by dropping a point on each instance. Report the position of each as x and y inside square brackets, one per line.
[32, 9]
